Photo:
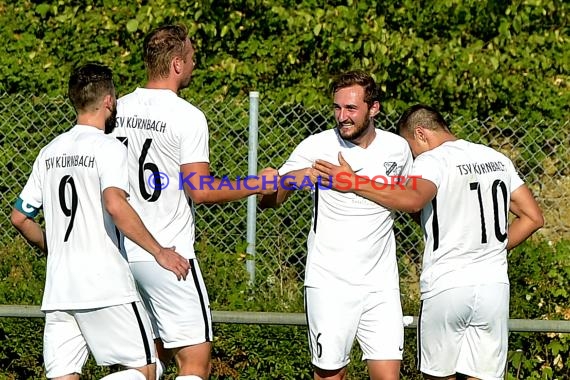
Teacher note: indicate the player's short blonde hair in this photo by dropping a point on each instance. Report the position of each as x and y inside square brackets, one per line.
[161, 46]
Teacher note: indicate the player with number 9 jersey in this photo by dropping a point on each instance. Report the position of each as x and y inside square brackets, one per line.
[90, 299]
[67, 180]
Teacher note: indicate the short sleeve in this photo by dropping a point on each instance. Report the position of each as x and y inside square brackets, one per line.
[112, 165]
[408, 161]
[194, 140]
[32, 192]
[516, 180]
[427, 166]
[301, 157]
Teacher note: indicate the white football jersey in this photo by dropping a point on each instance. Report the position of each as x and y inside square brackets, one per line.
[85, 268]
[161, 131]
[465, 225]
[351, 241]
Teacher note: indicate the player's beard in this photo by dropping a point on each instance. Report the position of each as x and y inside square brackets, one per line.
[357, 130]
[111, 122]
[185, 82]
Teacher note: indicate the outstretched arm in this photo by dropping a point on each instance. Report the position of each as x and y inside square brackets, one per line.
[130, 224]
[409, 197]
[528, 216]
[201, 187]
[294, 180]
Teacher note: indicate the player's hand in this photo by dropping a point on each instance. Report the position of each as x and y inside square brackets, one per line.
[269, 181]
[301, 179]
[170, 260]
[338, 177]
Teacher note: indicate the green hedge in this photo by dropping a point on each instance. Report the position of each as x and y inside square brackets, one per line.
[539, 273]
[474, 58]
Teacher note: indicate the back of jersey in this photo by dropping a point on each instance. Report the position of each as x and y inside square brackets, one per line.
[161, 132]
[84, 268]
[465, 225]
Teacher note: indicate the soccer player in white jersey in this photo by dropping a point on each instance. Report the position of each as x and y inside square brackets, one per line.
[167, 140]
[351, 277]
[464, 192]
[90, 298]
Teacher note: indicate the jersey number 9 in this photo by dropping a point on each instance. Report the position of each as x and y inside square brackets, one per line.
[71, 209]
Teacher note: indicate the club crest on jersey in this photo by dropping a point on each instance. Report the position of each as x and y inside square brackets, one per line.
[390, 167]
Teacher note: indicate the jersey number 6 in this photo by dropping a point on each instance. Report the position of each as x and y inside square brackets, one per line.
[143, 167]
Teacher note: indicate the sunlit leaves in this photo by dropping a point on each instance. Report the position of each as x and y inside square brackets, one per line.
[465, 57]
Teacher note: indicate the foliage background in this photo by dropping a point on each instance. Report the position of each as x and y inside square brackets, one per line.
[484, 60]
[539, 273]
[475, 58]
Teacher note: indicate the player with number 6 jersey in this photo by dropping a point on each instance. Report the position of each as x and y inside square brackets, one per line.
[352, 289]
[168, 156]
[162, 132]
[464, 192]
[152, 125]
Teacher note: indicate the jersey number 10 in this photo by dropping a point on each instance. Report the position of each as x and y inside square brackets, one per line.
[498, 184]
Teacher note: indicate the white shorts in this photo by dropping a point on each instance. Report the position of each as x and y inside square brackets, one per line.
[465, 330]
[179, 310]
[336, 317]
[118, 334]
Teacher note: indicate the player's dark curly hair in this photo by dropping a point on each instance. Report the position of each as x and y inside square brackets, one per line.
[162, 45]
[360, 78]
[88, 84]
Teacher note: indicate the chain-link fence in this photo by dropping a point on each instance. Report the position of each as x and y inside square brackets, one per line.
[540, 151]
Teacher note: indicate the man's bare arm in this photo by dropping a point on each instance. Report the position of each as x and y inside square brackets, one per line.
[30, 229]
[528, 216]
[409, 197]
[130, 224]
[201, 187]
[287, 184]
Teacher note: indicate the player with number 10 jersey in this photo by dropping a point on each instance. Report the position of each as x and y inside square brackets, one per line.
[480, 187]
